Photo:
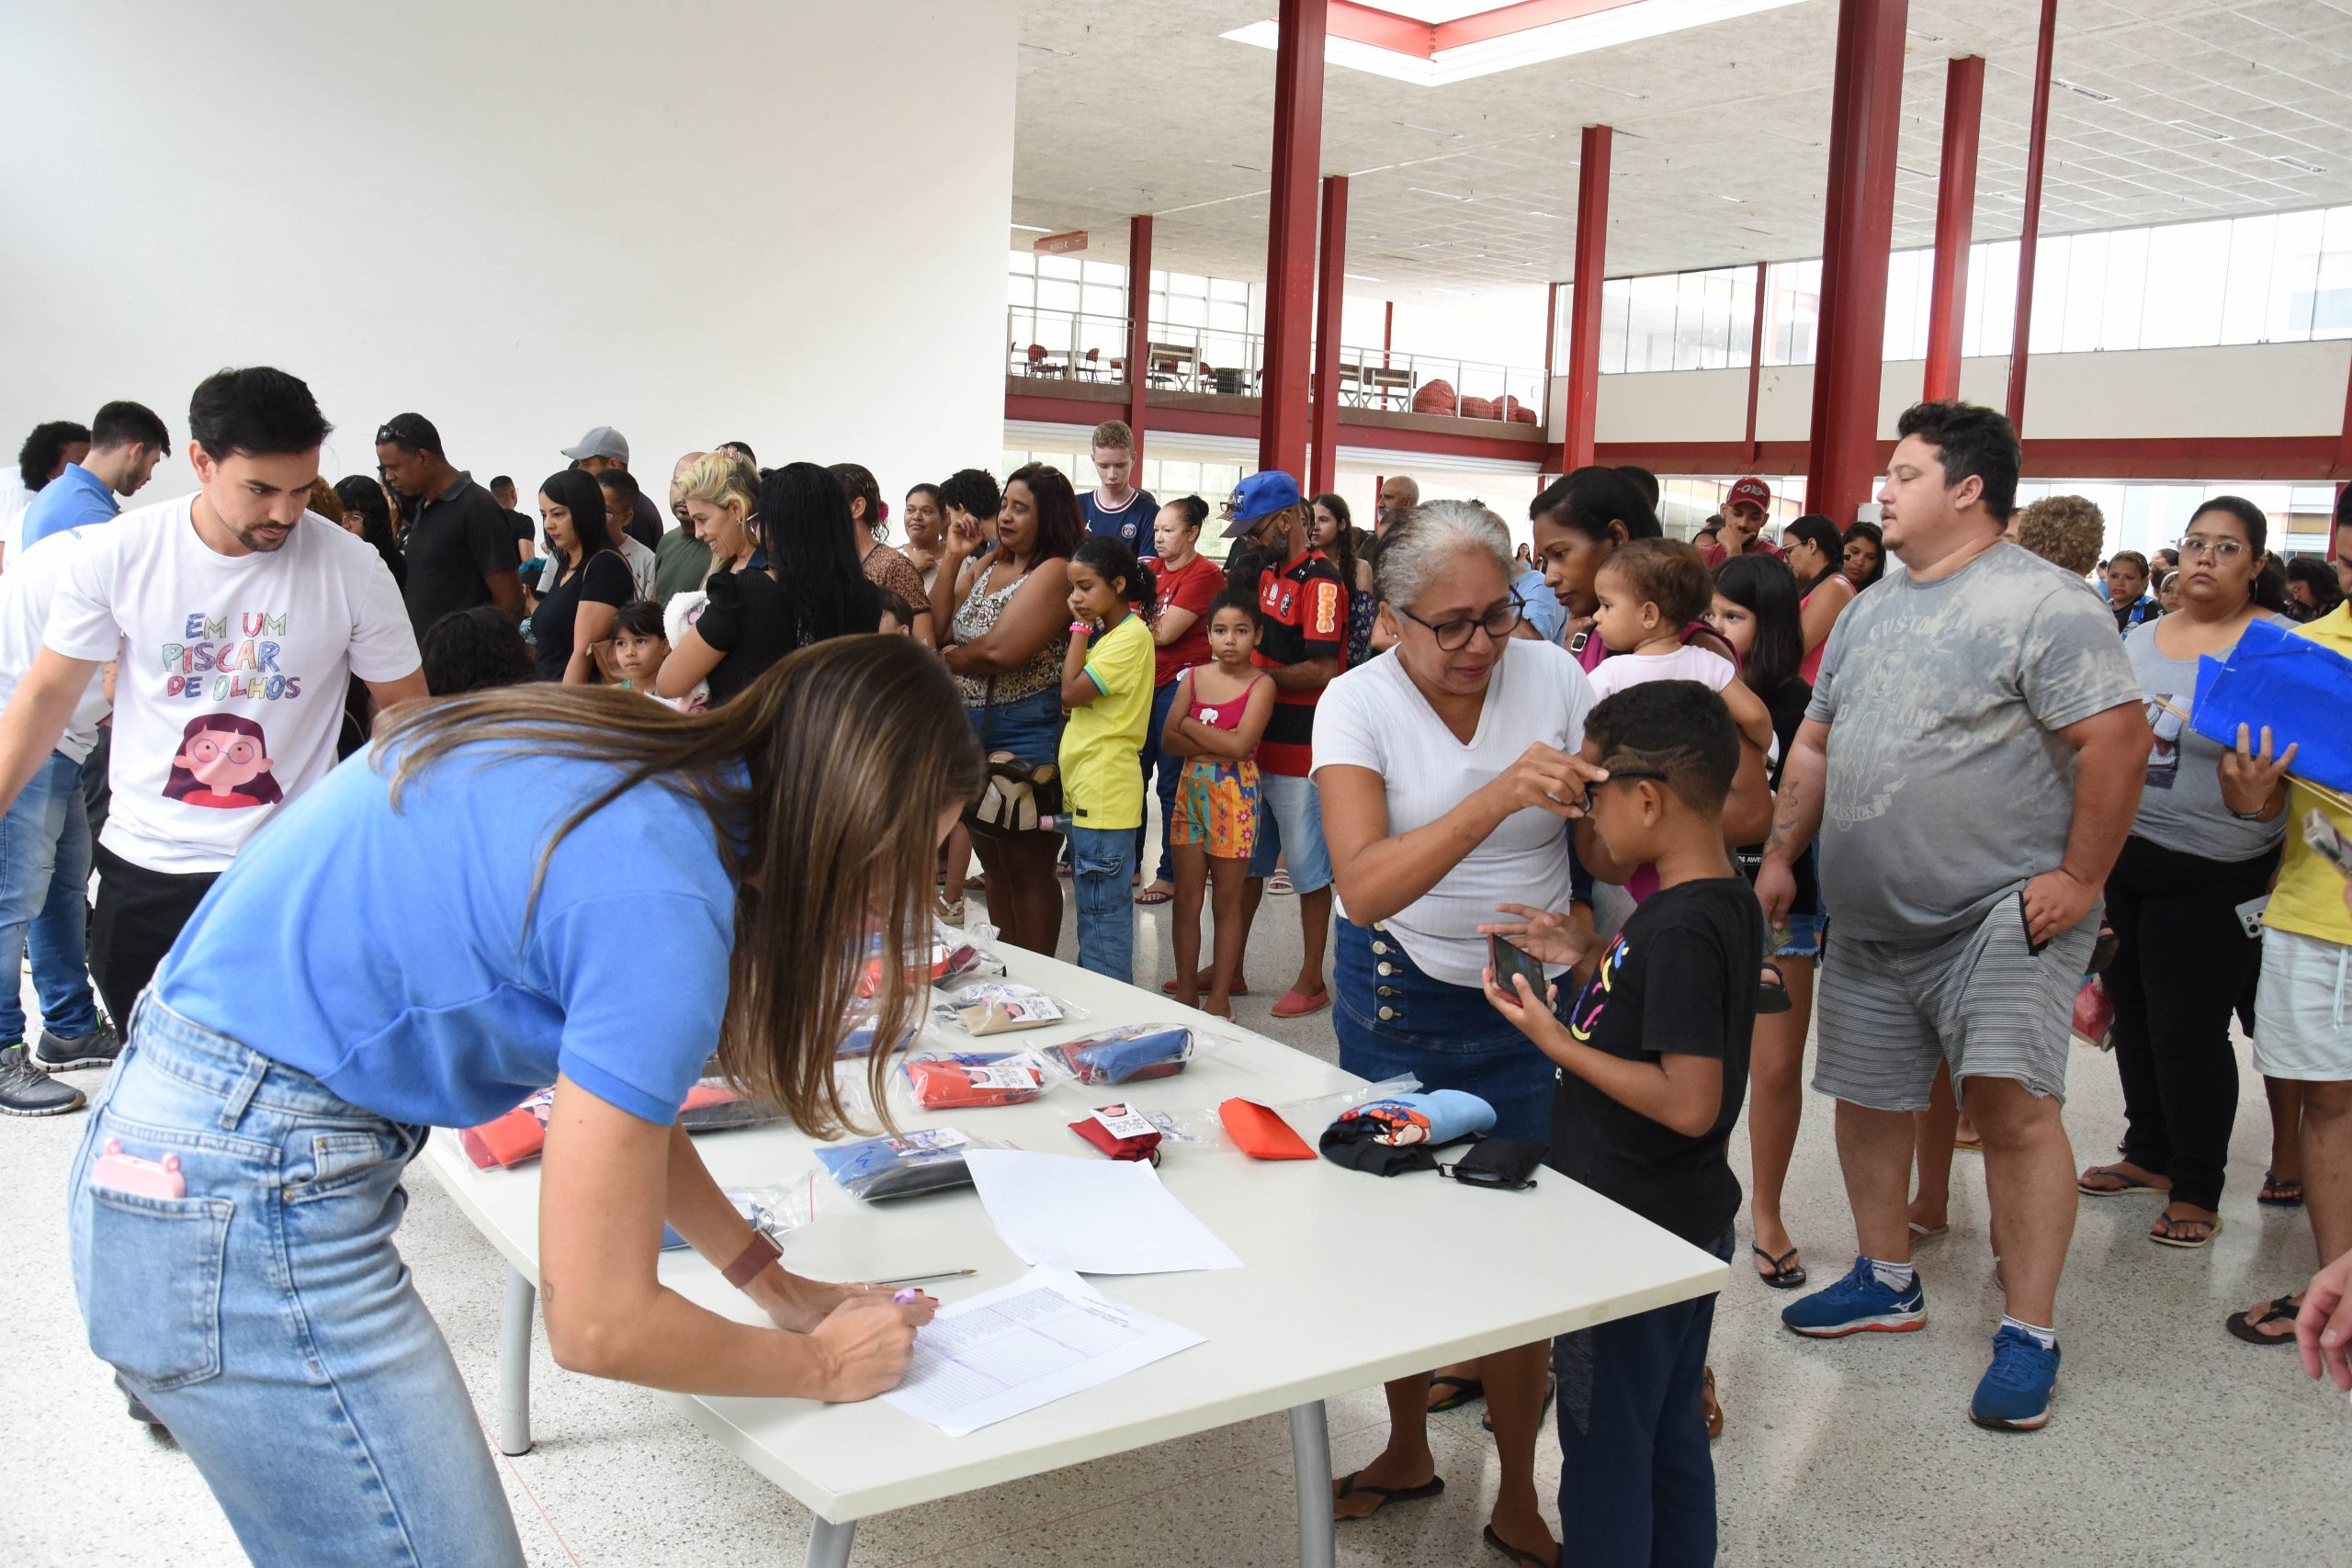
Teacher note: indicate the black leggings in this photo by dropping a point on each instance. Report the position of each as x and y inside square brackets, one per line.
[2184, 961]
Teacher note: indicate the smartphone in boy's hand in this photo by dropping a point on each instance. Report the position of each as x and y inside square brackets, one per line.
[1507, 961]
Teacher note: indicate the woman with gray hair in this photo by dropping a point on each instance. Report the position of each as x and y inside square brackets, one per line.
[1449, 773]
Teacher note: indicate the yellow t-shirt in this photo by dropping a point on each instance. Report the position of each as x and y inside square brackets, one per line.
[2309, 900]
[1102, 743]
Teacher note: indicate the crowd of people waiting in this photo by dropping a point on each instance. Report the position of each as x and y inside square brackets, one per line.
[1665, 772]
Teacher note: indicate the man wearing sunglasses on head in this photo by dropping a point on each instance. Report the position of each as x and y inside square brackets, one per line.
[460, 547]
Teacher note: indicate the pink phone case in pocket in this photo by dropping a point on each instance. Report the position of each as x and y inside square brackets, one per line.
[119, 1172]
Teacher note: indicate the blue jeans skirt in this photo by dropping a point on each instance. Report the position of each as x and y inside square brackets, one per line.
[1391, 1017]
[265, 1316]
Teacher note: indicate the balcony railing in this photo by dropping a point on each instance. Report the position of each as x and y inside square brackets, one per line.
[1070, 344]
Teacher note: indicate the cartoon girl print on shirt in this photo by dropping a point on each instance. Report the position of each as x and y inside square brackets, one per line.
[223, 763]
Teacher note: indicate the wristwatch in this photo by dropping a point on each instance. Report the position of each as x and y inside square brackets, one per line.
[762, 1251]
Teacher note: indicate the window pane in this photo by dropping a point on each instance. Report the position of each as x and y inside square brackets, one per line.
[1743, 317]
[1054, 295]
[2086, 289]
[1690, 320]
[1993, 302]
[1020, 291]
[2332, 305]
[2126, 282]
[2186, 265]
[1060, 266]
[1022, 263]
[2245, 298]
[2294, 275]
[1794, 313]
[1227, 288]
[1187, 312]
[1616, 299]
[2049, 302]
[1649, 329]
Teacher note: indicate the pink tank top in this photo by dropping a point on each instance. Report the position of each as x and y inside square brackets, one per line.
[1225, 714]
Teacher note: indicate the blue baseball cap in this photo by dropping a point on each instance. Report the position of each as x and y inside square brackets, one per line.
[1256, 496]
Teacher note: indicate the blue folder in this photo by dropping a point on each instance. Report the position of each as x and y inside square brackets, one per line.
[2299, 688]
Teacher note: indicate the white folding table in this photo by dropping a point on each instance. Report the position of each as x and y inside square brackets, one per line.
[1349, 1280]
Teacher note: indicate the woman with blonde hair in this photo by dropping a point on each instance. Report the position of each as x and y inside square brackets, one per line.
[727, 635]
[236, 1197]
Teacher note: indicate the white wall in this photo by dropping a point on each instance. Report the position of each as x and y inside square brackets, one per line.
[718, 219]
[2243, 390]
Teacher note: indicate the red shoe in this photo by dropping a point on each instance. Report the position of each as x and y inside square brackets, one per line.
[1292, 1004]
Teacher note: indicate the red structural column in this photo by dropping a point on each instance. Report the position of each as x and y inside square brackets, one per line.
[1138, 324]
[1583, 298]
[1755, 362]
[2029, 236]
[1323, 464]
[1290, 238]
[1955, 214]
[1865, 125]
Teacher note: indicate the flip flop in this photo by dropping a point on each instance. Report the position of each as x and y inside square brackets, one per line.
[1387, 1495]
[1524, 1559]
[1151, 896]
[2130, 1184]
[2278, 1194]
[1465, 1390]
[1290, 1004]
[2212, 1230]
[1771, 990]
[1926, 1233]
[1784, 1276]
[1240, 988]
[2242, 1325]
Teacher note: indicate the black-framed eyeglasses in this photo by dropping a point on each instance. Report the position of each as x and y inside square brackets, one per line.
[1454, 636]
[1621, 776]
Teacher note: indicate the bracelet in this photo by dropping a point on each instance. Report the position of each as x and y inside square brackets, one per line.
[2261, 816]
[1079, 628]
[762, 1251]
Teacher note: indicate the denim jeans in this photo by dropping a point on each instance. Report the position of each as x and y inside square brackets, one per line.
[1289, 828]
[1171, 771]
[1103, 860]
[267, 1318]
[1393, 1018]
[1636, 1474]
[45, 891]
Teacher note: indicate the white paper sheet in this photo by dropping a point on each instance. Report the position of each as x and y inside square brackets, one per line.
[1046, 1336]
[1092, 1216]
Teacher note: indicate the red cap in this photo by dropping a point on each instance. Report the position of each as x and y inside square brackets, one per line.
[1750, 489]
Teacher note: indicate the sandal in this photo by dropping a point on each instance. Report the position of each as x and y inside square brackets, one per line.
[1710, 1405]
[1156, 894]
[1524, 1559]
[1348, 1487]
[1465, 1390]
[1921, 1233]
[1240, 988]
[1772, 991]
[2278, 1309]
[2131, 1183]
[1783, 1275]
[952, 913]
[2104, 949]
[2278, 1193]
[1279, 884]
[2163, 1234]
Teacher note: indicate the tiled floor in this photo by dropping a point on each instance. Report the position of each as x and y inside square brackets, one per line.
[2172, 1442]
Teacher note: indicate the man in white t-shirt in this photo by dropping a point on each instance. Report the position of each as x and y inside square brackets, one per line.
[239, 619]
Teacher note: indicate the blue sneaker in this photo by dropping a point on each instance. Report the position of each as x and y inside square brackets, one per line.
[1859, 1303]
[2014, 1395]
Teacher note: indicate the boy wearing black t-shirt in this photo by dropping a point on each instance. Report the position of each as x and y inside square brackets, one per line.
[1654, 1067]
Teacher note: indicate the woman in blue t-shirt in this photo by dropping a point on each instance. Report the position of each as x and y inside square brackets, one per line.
[387, 959]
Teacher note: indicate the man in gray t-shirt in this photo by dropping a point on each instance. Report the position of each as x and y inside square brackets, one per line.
[1970, 763]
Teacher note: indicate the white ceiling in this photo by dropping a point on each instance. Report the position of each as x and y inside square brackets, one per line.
[1130, 106]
